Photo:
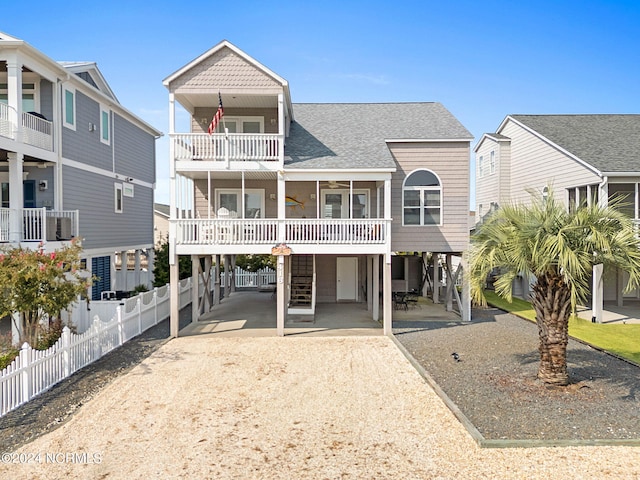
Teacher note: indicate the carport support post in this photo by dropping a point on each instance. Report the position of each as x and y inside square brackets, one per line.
[216, 280]
[207, 288]
[387, 314]
[369, 283]
[466, 290]
[597, 297]
[195, 288]
[174, 297]
[425, 275]
[232, 288]
[375, 290]
[436, 278]
[280, 291]
[450, 286]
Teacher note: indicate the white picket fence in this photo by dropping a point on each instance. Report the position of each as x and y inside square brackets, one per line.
[246, 279]
[35, 371]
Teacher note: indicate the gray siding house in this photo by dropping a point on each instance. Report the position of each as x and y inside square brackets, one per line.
[74, 163]
[586, 158]
[334, 190]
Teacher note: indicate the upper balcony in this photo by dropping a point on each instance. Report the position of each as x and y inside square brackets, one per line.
[226, 148]
[35, 129]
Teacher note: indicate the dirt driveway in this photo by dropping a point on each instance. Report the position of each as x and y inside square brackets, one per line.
[293, 407]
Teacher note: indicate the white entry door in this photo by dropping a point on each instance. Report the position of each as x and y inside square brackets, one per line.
[347, 278]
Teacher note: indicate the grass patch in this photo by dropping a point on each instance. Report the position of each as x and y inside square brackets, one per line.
[619, 339]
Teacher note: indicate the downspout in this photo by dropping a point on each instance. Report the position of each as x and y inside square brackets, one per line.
[603, 192]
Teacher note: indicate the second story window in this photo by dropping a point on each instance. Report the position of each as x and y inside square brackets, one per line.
[422, 199]
[492, 163]
[481, 166]
[105, 125]
[119, 200]
[69, 108]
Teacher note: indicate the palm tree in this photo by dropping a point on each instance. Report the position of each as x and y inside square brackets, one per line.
[558, 248]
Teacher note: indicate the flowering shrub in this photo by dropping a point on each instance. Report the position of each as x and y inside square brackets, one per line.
[38, 286]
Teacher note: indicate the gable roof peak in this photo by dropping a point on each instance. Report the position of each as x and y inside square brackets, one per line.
[215, 49]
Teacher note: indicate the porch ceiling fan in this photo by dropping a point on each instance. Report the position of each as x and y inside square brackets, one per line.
[336, 184]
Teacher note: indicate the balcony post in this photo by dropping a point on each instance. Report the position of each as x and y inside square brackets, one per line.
[16, 198]
[281, 207]
[281, 128]
[14, 93]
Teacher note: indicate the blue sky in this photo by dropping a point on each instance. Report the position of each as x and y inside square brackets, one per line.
[482, 60]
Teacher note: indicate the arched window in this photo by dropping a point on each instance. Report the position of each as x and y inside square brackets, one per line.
[422, 199]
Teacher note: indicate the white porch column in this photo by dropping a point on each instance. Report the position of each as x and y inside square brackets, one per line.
[174, 298]
[124, 260]
[16, 195]
[387, 318]
[137, 268]
[14, 94]
[375, 291]
[281, 128]
[280, 294]
[195, 288]
[151, 263]
[597, 296]
[436, 278]
[369, 283]
[281, 207]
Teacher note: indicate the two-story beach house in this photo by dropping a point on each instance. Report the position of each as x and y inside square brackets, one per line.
[586, 158]
[331, 189]
[74, 163]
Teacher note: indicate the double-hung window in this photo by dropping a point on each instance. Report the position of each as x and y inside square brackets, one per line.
[422, 199]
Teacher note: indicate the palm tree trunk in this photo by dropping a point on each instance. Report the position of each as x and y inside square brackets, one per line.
[552, 302]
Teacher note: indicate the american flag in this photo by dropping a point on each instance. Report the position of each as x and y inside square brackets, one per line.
[217, 116]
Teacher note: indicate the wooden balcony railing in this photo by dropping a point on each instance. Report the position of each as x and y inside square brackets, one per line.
[221, 147]
[266, 231]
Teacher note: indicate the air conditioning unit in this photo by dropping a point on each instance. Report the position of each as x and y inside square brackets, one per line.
[63, 228]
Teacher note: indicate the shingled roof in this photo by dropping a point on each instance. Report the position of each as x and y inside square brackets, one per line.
[610, 143]
[354, 135]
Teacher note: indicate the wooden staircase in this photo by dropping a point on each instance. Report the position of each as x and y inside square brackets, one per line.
[301, 301]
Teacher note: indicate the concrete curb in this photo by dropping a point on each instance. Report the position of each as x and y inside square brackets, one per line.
[488, 443]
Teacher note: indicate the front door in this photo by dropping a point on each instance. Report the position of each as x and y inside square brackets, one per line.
[347, 279]
[29, 192]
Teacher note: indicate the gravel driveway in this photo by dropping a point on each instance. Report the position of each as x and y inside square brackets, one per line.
[293, 407]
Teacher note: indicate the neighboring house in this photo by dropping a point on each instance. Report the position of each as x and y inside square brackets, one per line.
[160, 223]
[337, 187]
[74, 163]
[586, 158]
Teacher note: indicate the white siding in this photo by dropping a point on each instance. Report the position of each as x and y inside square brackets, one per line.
[535, 163]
